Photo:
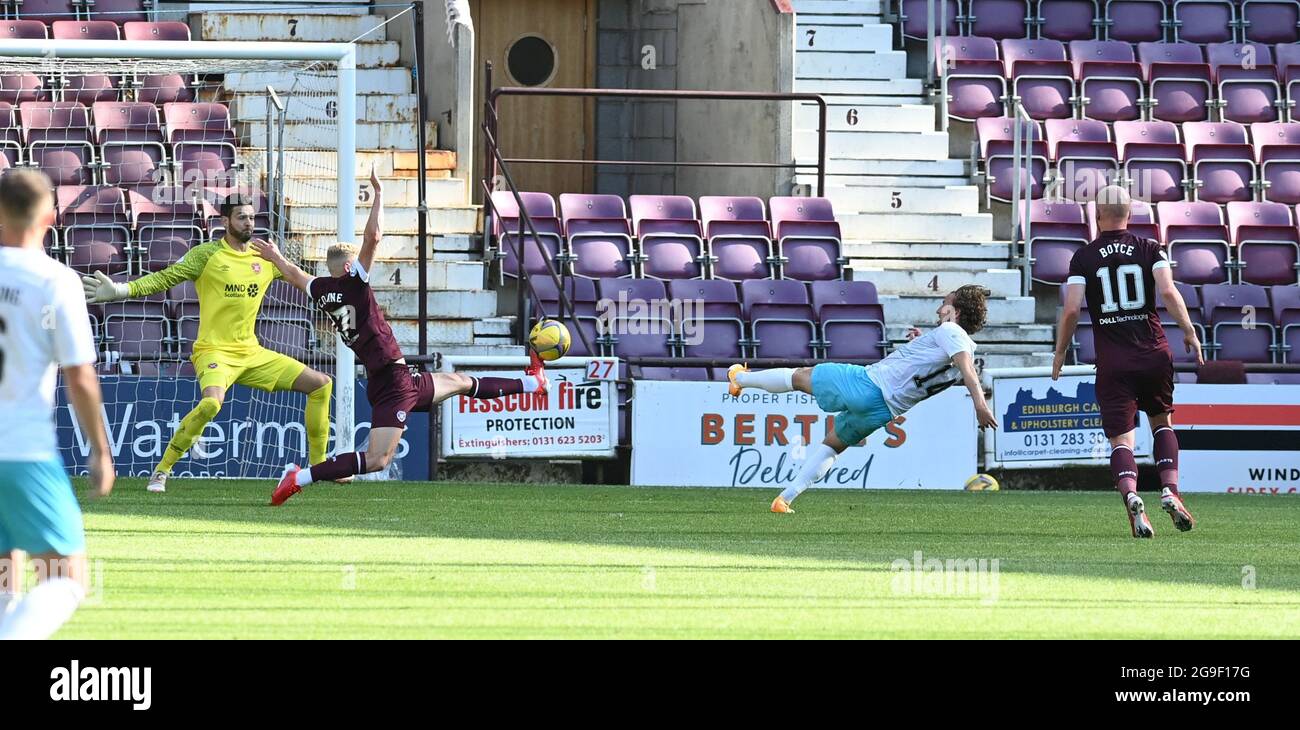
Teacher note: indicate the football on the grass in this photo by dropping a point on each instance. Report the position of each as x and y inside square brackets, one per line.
[550, 339]
[982, 483]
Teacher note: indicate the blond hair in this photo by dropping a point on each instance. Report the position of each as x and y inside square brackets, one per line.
[340, 252]
[23, 195]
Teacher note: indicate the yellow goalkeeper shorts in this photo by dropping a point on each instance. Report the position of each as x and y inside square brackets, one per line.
[262, 369]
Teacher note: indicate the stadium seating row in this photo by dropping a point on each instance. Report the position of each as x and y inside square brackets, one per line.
[52, 11]
[1195, 21]
[1175, 82]
[1253, 324]
[1255, 243]
[702, 318]
[666, 238]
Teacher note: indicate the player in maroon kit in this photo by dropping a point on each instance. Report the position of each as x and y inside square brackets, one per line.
[393, 389]
[1121, 275]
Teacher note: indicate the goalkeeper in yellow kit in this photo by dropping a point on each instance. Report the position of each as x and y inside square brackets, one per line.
[231, 280]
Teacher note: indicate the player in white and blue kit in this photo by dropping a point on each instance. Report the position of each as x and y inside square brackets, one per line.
[43, 326]
[864, 398]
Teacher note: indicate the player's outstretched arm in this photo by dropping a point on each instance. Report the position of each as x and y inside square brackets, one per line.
[966, 364]
[87, 402]
[374, 224]
[101, 289]
[1065, 328]
[1164, 277]
[295, 276]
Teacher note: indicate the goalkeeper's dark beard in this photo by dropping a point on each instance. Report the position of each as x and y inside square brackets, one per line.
[239, 236]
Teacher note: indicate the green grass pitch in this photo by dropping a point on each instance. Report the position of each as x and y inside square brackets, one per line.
[209, 559]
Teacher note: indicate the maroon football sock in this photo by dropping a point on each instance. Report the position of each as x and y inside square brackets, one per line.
[495, 387]
[343, 465]
[1124, 468]
[1166, 452]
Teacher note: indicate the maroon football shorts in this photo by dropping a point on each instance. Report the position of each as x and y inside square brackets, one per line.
[1121, 393]
[395, 392]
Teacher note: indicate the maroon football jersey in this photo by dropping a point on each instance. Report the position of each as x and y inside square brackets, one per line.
[1120, 290]
[351, 306]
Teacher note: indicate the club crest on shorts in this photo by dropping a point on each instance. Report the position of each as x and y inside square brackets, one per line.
[401, 416]
[212, 366]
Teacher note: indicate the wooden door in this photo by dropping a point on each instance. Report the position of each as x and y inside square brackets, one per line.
[548, 43]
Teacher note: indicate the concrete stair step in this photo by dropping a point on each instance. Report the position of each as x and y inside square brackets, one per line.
[454, 247]
[842, 146]
[811, 64]
[867, 118]
[985, 255]
[396, 220]
[971, 227]
[372, 80]
[897, 86]
[369, 135]
[886, 167]
[404, 274]
[479, 349]
[880, 181]
[387, 163]
[904, 199]
[405, 303]
[999, 360]
[914, 309]
[251, 107]
[339, 28]
[835, 7]
[399, 192]
[1002, 282]
[812, 36]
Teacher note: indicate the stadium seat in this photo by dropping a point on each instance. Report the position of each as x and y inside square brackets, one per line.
[202, 143]
[1179, 81]
[23, 30]
[11, 136]
[96, 232]
[643, 329]
[1197, 241]
[996, 149]
[739, 236]
[1286, 314]
[599, 235]
[717, 329]
[99, 30]
[1057, 229]
[1173, 332]
[1246, 83]
[139, 329]
[976, 86]
[671, 240]
[162, 214]
[167, 30]
[851, 319]
[18, 88]
[913, 17]
[1066, 20]
[689, 374]
[1083, 348]
[1135, 21]
[1277, 148]
[1240, 320]
[998, 18]
[1084, 157]
[286, 329]
[1153, 160]
[1270, 21]
[808, 238]
[1204, 21]
[1286, 59]
[161, 89]
[781, 319]
[1266, 241]
[1110, 80]
[1223, 162]
[88, 88]
[544, 215]
[1041, 77]
[581, 293]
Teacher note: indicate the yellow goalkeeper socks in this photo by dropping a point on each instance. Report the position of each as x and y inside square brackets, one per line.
[318, 422]
[192, 426]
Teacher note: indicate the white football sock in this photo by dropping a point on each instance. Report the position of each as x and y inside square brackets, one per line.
[47, 607]
[304, 477]
[776, 380]
[531, 383]
[819, 461]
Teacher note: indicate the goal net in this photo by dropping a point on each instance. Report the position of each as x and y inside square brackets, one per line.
[143, 142]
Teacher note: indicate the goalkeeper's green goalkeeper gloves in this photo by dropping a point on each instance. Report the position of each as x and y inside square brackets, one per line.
[101, 289]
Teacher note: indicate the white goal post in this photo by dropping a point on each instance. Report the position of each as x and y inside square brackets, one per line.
[65, 58]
